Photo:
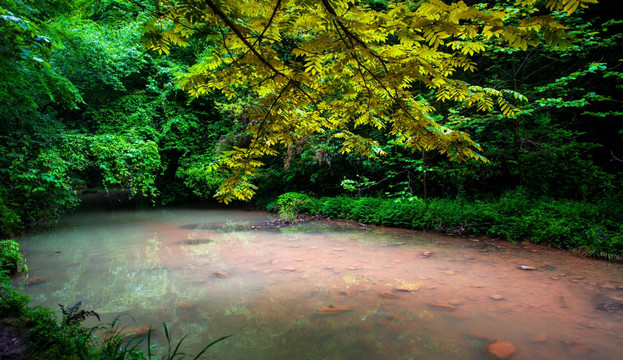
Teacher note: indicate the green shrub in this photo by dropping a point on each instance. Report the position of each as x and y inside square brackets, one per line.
[337, 207]
[402, 212]
[12, 302]
[366, 210]
[597, 241]
[292, 204]
[591, 228]
[11, 259]
[10, 222]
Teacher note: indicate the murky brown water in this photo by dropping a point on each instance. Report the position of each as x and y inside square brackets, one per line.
[327, 290]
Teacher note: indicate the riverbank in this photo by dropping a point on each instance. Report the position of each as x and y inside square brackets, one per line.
[594, 229]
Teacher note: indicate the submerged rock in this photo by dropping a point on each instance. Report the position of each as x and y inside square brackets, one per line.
[35, 280]
[389, 295]
[134, 331]
[185, 305]
[540, 338]
[427, 253]
[408, 287]
[443, 305]
[195, 241]
[496, 297]
[501, 349]
[527, 268]
[221, 274]
[610, 306]
[608, 286]
[333, 310]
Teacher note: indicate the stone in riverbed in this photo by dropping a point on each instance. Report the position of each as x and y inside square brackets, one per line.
[427, 253]
[35, 280]
[501, 349]
[333, 310]
[540, 338]
[186, 305]
[496, 297]
[443, 305]
[134, 331]
[527, 268]
[195, 241]
[608, 286]
[408, 287]
[221, 274]
[389, 295]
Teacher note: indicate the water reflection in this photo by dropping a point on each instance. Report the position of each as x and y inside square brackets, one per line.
[328, 290]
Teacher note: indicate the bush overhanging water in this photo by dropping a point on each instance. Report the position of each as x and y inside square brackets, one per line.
[595, 229]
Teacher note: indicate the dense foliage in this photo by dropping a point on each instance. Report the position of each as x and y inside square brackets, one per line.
[331, 68]
[593, 229]
[534, 104]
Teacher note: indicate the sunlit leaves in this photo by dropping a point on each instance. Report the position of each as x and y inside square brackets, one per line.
[346, 66]
[568, 6]
[126, 162]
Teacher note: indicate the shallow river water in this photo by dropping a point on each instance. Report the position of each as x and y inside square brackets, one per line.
[326, 290]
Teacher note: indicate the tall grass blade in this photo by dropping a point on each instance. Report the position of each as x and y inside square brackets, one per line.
[209, 345]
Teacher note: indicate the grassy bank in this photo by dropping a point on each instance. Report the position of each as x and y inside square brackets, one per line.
[593, 228]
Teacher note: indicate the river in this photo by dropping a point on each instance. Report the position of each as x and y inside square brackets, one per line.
[326, 289]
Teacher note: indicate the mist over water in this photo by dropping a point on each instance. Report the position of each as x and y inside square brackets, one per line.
[326, 290]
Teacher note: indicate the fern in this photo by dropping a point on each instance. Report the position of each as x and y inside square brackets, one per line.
[74, 315]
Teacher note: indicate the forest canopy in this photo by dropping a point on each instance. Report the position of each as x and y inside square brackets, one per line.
[331, 67]
[179, 101]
